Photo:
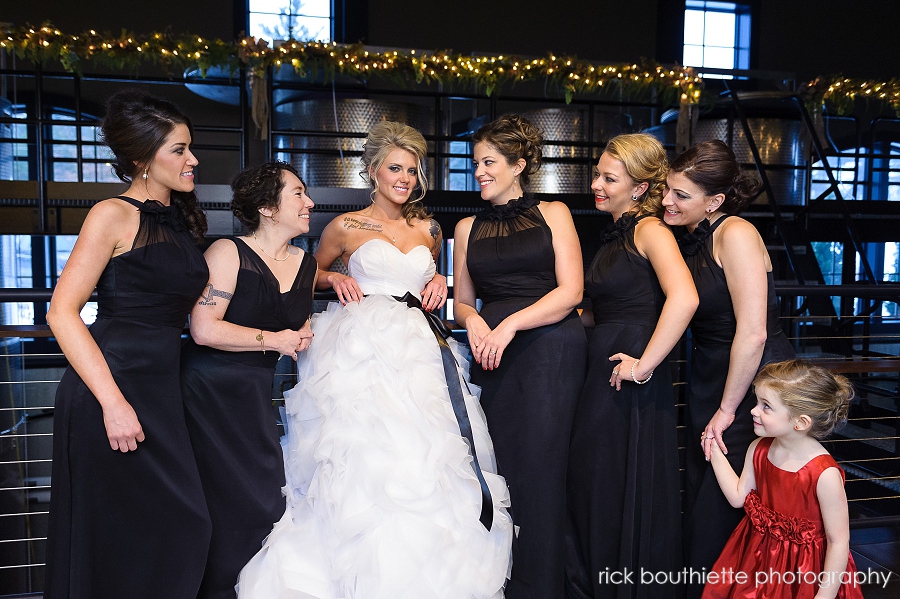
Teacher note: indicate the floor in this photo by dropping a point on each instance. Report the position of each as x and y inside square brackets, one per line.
[877, 550]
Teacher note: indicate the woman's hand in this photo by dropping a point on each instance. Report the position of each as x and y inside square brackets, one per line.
[476, 330]
[713, 432]
[289, 342]
[435, 293]
[347, 288]
[490, 348]
[122, 426]
[622, 370]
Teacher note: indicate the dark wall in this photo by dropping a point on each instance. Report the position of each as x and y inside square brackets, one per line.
[208, 18]
[608, 30]
[827, 37]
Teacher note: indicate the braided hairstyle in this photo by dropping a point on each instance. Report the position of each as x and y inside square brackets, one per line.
[809, 390]
[645, 162]
[382, 139]
[713, 167]
[259, 187]
[135, 126]
[514, 137]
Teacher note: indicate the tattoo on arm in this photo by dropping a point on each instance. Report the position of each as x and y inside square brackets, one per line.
[436, 236]
[353, 223]
[209, 295]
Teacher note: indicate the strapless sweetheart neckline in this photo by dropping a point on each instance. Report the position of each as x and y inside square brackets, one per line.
[389, 244]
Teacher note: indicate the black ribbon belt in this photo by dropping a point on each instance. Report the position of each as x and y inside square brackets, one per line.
[441, 333]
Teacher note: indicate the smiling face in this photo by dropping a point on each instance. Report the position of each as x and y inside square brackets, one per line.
[294, 206]
[771, 418]
[397, 177]
[496, 177]
[172, 167]
[613, 187]
[686, 204]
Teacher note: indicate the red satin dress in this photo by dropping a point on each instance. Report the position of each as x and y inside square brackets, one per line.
[778, 549]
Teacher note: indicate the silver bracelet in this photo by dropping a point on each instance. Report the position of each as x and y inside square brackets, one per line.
[634, 378]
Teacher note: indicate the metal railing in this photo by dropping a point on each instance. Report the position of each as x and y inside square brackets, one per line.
[868, 447]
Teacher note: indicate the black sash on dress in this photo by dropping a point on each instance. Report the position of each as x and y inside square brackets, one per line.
[441, 333]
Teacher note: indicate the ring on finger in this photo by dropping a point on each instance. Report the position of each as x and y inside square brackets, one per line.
[493, 352]
[616, 372]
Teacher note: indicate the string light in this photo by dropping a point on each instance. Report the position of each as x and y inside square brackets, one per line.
[488, 73]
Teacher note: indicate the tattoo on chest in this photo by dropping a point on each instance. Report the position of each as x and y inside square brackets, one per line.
[209, 295]
[352, 223]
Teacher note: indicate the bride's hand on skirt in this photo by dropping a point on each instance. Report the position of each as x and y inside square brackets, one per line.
[347, 288]
[435, 293]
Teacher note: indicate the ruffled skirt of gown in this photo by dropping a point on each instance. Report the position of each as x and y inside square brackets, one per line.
[382, 499]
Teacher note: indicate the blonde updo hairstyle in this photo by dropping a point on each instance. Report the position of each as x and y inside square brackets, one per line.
[645, 162]
[514, 137]
[813, 391]
[384, 138]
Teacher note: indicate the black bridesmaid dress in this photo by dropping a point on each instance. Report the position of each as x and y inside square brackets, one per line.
[231, 422]
[709, 518]
[132, 524]
[624, 491]
[530, 399]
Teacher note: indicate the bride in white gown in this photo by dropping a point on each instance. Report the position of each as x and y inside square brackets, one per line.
[384, 498]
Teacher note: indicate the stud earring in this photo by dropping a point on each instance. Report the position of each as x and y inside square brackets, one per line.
[634, 198]
[796, 427]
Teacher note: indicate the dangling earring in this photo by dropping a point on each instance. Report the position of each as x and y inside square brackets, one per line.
[144, 176]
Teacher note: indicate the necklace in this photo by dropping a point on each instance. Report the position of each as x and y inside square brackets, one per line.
[268, 254]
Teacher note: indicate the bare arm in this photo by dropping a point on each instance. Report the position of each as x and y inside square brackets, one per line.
[833, 505]
[332, 246]
[208, 326]
[655, 241]
[464, 297]
[734, 488]
[435, 293]
[744, 259]
[100, 239]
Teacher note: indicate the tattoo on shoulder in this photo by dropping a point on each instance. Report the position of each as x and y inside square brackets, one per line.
[354, 223]
[435, 231]
[208, 298]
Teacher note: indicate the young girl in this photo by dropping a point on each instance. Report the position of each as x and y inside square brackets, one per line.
[795, 539]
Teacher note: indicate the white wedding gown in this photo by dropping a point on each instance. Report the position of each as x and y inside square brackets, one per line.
[382, 498]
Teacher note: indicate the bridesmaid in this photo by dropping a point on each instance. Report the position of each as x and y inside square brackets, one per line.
[624, 492]
[735, 332]
[522, 258]
[256, 307]
[127, 514]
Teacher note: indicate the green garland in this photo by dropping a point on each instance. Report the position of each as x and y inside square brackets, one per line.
[129, 51]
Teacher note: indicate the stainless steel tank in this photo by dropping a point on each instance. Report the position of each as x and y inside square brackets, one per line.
[319, 161]
[782, 141]
[568, 169]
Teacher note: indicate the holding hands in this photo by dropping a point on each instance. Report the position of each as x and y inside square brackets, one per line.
[712, 434]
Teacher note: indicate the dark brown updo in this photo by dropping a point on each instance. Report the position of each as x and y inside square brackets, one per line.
[712, 166]
[135, 126]
[514, 137]
[259, 187]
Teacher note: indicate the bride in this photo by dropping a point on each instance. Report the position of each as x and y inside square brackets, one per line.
[385, 497]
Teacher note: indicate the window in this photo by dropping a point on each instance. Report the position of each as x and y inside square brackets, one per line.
[13, 144]
[302, 20]
[716, 35]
